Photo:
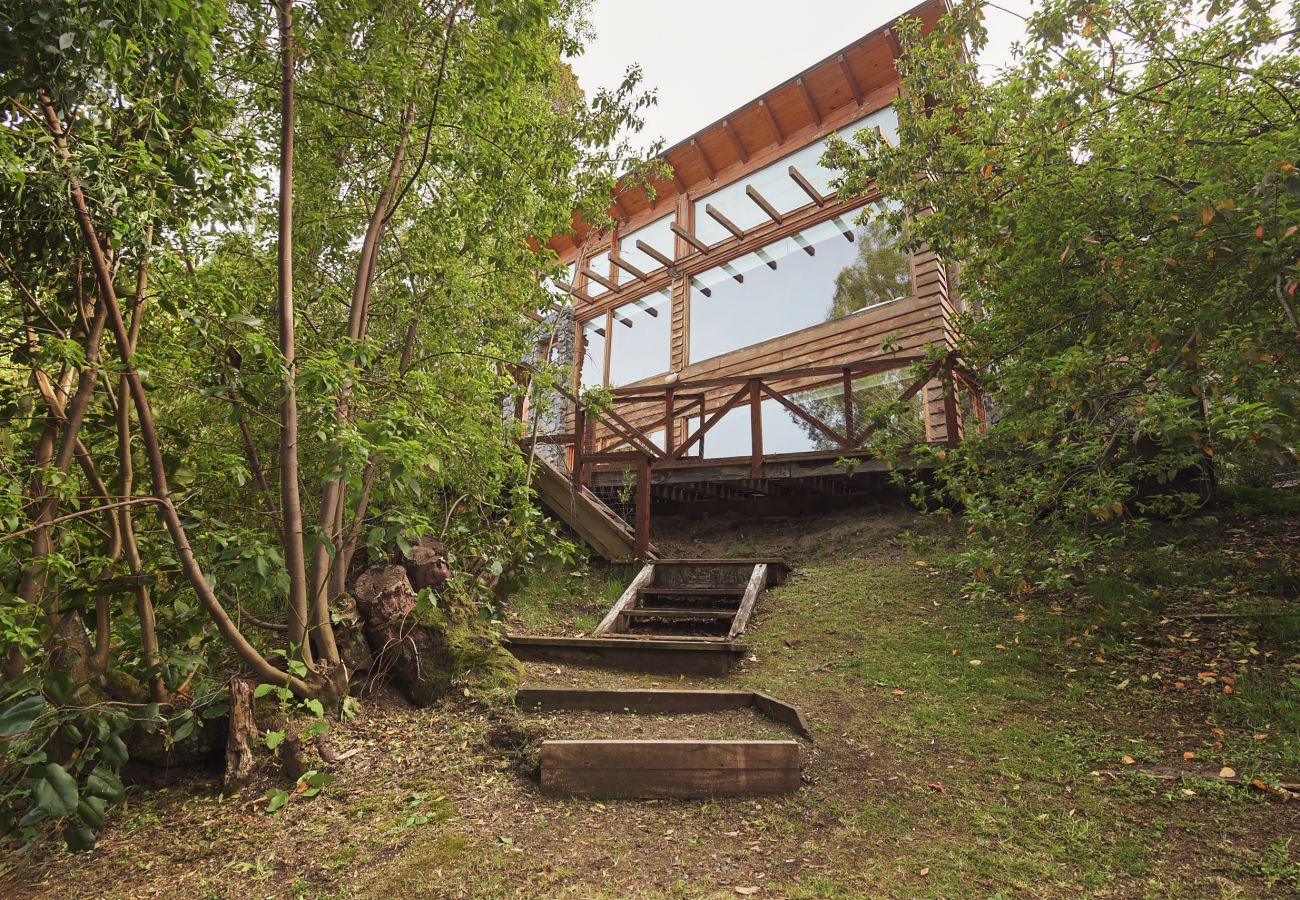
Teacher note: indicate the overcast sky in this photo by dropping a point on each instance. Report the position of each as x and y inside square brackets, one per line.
[707, 57]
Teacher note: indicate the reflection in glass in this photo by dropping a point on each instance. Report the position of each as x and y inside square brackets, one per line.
[593, 354]
[839, 277]
[641, 339]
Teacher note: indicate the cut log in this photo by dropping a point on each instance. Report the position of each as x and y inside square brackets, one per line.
[240, 736]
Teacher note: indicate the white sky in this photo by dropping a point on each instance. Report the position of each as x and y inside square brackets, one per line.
[735, 50]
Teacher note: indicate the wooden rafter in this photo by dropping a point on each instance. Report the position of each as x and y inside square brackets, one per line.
[735, 140]
[772, 122]
[699, 286]
[653, 253]
[722, 220]
[850, 79]
[807, 186]
[704, 160]
[752, 193]
[599, 278]
[688, 237]
[808, 101]
[575, 292]
[628, 267]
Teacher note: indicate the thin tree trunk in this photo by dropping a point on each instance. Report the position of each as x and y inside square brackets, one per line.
[149, 435]
[290, 498]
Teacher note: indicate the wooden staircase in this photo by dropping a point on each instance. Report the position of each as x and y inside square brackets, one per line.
[691, 599]
[593, 521]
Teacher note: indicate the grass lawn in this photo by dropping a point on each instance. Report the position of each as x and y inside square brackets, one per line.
[962, 748]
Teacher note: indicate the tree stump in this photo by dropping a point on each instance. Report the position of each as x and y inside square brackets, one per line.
[241, 736]
[429, 651]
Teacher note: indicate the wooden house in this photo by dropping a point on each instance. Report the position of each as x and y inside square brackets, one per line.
[741, 315]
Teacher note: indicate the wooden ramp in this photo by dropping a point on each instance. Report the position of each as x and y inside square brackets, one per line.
[593, 521]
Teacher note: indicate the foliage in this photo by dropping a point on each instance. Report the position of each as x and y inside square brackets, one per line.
[1124, 203]
[432, 142]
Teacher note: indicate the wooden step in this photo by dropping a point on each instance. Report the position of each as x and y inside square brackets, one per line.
[679, 614]
[659, 591]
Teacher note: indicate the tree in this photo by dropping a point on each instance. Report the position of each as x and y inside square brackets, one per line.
[313, 368]
[1123, 202]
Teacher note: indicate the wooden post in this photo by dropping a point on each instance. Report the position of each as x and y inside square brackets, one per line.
[848, 408]
[755, 431]
[579, 437]
[950, 426]
[670, 423]
[643, 509]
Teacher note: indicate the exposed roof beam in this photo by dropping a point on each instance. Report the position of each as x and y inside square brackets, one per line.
[599, 278]
[735, 140]
[618, 318]
[731, 270]
[850, 79]
[689, 238]
[699, 286]
[771, 121]
[653, 253]
[803, 242]
[895, 45]
[628, 267]
[646, 308]
[807, 186]
[845, 228]
[722, 220]
[762, 254]
[763, 204]
[704, 160]
[575, 292]
[622, 211]
[808, 100]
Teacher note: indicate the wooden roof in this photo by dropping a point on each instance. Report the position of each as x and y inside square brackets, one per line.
[861, 74]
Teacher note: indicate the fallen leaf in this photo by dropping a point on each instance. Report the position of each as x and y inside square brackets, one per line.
[938, 786]
[1128, 760]
[747, 891]
[976, 662]
[1189, 755]
[1227, 772]
[1188, 792]
[925, 872]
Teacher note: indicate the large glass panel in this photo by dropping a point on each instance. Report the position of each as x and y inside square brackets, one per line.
[775, 184]
[658, 234]
[838, 278]
[785, 432]
[593, 354]
[600, 265]
[730, 437]
[641, 339]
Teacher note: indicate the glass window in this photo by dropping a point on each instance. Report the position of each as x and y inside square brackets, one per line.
[777, 186]
[784, 432]
[593, 354]
[641, 339]
[658, 234]
[600, 265]
[837, 278]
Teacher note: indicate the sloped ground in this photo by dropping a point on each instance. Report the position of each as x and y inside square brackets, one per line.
[961, 749]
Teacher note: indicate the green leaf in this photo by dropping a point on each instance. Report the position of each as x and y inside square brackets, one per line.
[113, 751]
[91, 811]
[316, 707]
[55, 790]
[106, 784]
[274, 739]
[17, 717]
[262, 690]
[66, 39]
[278, 798]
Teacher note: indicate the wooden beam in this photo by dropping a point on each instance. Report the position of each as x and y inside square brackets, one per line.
[895, 45]
[653, 254]
[643, 509]
[622, 211]
[762, 254]
[628, 597]
[731, 270]
[735, 141]
[722, 220]
[808, 101]
[688, 237]
[628, 267]
[807, 186]
[803, 243]
[575, 292]
[763, 204]
[599, 278]
[772, 122]
[699, 286]
[755, 433]
[669, 769]
[704, 160]
[850, 79]
[757, 581]
[845, 228]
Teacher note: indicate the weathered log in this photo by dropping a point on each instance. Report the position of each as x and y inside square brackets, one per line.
[426, 567]
[240, 736]
[349, 635]
[430, 650]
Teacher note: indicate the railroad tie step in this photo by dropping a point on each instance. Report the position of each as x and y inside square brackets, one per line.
[680, 614]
